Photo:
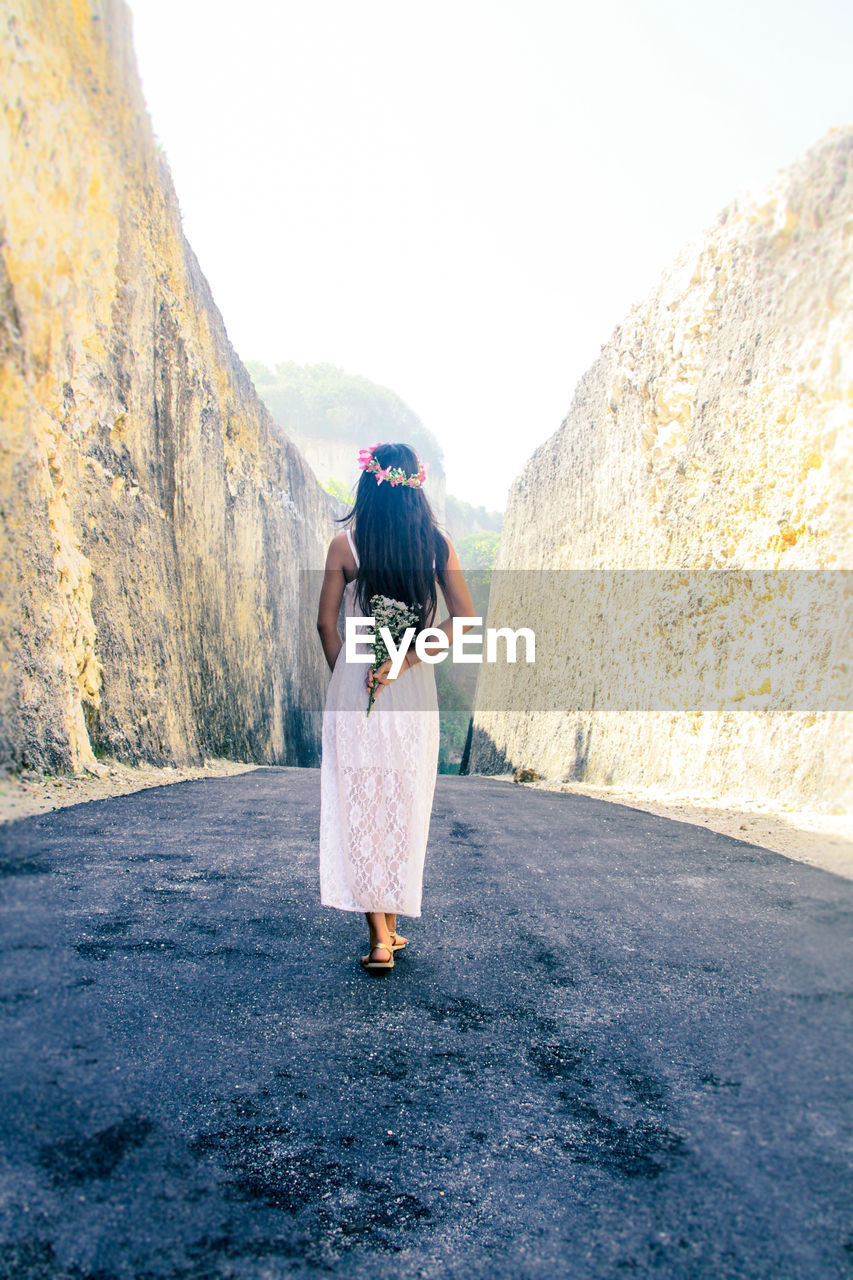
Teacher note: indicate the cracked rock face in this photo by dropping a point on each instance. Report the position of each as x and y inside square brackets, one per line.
[713, 433]
[154, 523]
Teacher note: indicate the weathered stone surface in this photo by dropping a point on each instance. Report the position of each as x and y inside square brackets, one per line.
[154, 522]
[714, 432]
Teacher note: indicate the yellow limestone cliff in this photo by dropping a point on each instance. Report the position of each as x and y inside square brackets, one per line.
[154, 524]
[712, 438]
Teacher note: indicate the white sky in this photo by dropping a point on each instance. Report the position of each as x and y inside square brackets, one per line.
[462, 199]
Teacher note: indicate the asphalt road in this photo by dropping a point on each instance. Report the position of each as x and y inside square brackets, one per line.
[619, 1046]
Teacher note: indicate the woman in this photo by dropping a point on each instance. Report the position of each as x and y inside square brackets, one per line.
[378, 772]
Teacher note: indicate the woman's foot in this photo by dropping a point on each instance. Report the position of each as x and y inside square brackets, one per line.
[380, 956]
[397, 939]
[381, 953]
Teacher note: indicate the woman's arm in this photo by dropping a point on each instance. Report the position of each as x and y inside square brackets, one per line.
[331, 594]
[457, 597]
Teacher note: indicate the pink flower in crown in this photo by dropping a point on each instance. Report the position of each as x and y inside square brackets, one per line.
[394, 475]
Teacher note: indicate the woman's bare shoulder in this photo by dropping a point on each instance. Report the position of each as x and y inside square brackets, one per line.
[338, 552]
[340, 556]
[452, 558]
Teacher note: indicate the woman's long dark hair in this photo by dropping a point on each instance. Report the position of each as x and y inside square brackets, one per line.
[400, 548]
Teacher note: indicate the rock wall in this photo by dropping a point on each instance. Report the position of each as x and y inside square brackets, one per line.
[713, 433]
[154, 523]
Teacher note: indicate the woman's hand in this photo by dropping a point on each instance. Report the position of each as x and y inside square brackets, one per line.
[378, 679]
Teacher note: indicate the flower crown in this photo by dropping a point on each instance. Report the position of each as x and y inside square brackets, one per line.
[394, 475]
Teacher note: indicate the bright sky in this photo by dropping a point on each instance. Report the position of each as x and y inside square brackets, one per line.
[461, 199]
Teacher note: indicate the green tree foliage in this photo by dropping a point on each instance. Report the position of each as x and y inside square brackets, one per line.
[337, 490]
[478, 550]
[463, 518]
[454, 703]
[322, 400]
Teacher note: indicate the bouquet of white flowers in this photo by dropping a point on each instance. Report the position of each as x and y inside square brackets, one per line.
[397, 617]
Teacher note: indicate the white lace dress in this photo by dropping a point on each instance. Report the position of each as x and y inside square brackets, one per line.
[377, 779]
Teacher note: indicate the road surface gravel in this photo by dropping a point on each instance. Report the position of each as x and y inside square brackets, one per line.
[618, 1046]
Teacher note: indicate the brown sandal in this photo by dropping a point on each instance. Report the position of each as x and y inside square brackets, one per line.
[379, 964]
[395, 945]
